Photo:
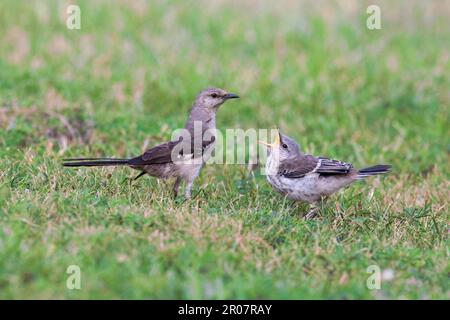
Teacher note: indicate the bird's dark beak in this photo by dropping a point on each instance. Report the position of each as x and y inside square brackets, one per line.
[230, 96]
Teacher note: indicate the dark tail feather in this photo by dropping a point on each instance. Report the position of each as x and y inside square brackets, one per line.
[94, 162]
[373, 171]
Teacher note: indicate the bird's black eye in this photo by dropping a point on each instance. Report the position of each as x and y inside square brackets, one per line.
[284, 145]
[214, 95]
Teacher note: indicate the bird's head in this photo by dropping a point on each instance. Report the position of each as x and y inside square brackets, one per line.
[213, 98]
[283, 146]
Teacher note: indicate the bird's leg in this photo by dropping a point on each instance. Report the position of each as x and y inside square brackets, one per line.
[176, 185]
[193, 173]
[188, 188]
[314, 207]
[139, 175]
[135, 178]
[312, 211]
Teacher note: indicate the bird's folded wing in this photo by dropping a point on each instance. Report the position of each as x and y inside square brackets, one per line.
[332, 166]
[157, 155]
[298, 167]
[305, 164]
[163, 153]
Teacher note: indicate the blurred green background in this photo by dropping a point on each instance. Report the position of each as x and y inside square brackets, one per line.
[127, 79]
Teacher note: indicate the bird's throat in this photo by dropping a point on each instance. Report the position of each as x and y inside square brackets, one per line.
[273, 164]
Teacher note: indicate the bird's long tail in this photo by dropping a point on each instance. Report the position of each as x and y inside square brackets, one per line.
[373, 171]
[95, 162]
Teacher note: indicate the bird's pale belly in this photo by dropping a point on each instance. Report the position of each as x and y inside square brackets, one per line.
[310, 188]
[164, 171]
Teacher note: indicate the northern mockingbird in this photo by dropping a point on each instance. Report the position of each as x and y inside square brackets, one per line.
[181, 158]
[308, 178]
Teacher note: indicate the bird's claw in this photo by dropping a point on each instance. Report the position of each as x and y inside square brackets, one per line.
[311, 213]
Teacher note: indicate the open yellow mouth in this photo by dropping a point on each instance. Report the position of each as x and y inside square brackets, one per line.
[274, 144]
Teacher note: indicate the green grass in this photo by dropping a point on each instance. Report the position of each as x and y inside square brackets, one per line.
[127, 79]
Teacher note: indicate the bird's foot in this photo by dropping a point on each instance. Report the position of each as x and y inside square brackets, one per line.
[175, 192]
[126, 180]
[311, 213]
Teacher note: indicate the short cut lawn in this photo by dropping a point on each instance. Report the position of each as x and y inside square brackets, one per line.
[127, 79]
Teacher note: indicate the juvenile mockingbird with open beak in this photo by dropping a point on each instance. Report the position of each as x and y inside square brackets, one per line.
[308, 178]
[181, 158]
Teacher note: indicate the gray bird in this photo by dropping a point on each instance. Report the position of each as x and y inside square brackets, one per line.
[181, 158]
[307, 178]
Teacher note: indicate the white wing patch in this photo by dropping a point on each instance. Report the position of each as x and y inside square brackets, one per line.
[319, 163]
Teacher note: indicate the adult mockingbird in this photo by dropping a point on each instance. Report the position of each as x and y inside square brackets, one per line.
[182, 157]
[307, 178]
